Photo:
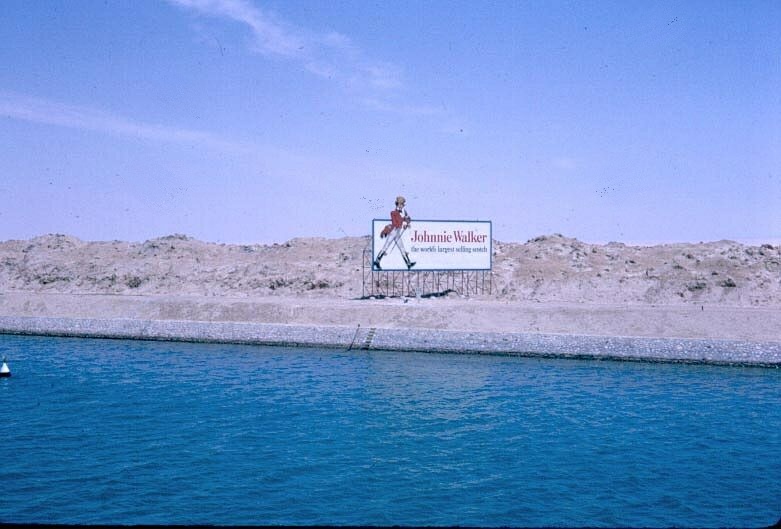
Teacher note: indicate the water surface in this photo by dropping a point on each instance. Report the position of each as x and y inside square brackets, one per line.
[133, 432]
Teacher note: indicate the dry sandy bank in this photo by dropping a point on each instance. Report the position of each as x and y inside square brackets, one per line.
[754, 324]
[550, 284]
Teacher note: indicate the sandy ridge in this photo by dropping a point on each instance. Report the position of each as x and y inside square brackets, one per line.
[545, 269]
[551, 284]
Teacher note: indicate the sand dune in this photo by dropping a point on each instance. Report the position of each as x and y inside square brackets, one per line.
[545, 269]
[550, 284]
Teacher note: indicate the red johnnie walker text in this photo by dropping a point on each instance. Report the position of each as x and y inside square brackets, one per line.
[453, 236]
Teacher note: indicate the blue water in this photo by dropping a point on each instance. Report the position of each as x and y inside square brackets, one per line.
[105, 431]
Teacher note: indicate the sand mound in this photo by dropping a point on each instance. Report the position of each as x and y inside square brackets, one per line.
[550, 268]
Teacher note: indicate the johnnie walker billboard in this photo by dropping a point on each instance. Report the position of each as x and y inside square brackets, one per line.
[404, 244]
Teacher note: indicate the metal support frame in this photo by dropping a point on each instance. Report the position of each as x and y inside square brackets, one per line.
[411, 283]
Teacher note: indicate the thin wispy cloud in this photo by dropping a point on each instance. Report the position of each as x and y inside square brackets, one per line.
[43, 111]
[330, 55]
[271, 35]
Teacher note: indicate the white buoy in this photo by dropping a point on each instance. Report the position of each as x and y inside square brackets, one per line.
[4, 371]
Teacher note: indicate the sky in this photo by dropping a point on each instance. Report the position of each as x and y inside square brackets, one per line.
[250, 121]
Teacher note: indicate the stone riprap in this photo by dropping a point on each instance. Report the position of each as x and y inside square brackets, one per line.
[720, 352]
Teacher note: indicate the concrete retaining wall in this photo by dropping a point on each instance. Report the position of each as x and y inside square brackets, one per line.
[722, 352]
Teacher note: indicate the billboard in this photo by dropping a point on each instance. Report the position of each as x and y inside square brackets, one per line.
[433, 245]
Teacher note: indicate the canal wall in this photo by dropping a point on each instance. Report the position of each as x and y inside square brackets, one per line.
[362, 338]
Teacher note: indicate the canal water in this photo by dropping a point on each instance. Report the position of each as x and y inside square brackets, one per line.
[134, 432]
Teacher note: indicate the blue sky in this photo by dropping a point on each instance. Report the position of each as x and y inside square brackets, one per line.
[251, 121]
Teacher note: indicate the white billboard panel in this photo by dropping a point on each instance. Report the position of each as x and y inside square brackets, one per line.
[434, 245]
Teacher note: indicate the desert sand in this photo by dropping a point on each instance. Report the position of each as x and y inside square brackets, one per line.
[550, 284]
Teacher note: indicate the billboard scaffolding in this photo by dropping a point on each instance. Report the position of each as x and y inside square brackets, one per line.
[423, 283]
